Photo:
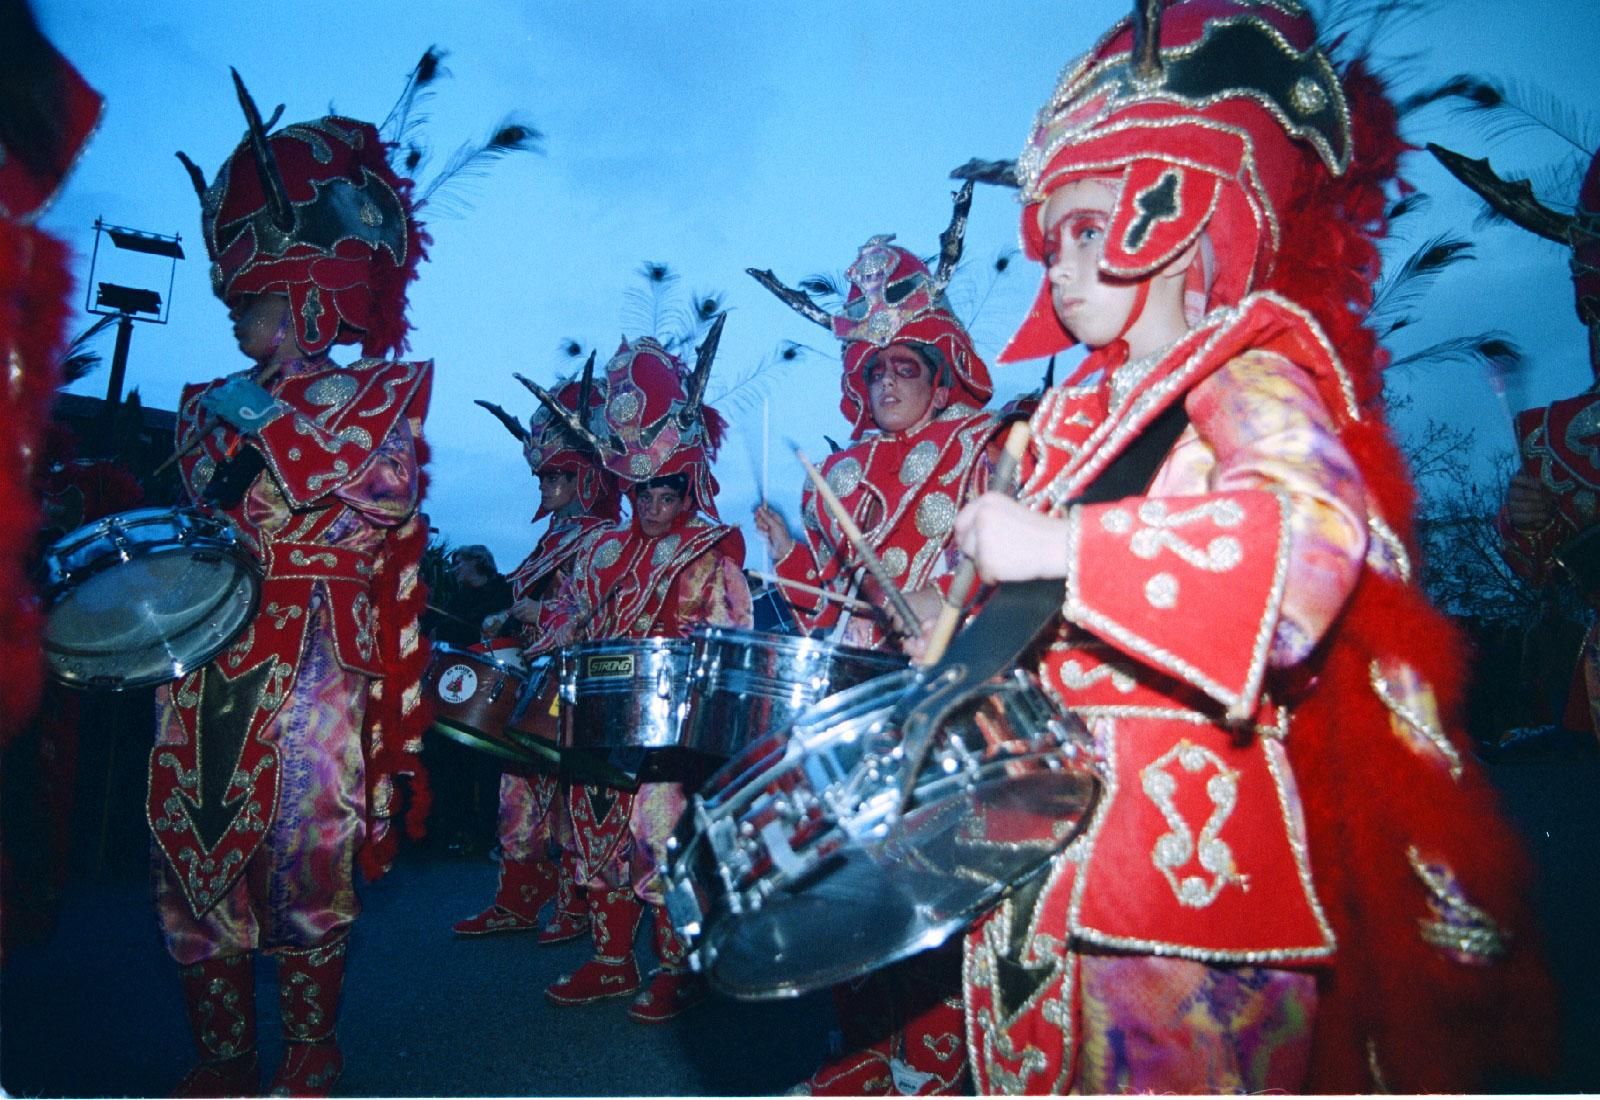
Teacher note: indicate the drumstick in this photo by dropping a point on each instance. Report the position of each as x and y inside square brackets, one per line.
[1004, 481]
[262, 378]
[897, 600]
[824, 593]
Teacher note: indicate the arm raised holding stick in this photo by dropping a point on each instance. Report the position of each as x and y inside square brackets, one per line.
[909, 622]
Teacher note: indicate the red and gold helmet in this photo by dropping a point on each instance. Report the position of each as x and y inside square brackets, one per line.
[653, 421]
[553, 445]
[895, 299]
[314, 211]
[1211, 113]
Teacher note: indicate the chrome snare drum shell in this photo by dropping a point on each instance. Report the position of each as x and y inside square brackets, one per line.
[747, 683]
[794, 869]
[625, 694]
[145, 596]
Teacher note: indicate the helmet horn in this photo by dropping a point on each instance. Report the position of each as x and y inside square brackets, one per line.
[797, 300]
[1511, 199]
[952, 239]
[702, 372]
[272, 186]
[1147, 39]
[564, 416]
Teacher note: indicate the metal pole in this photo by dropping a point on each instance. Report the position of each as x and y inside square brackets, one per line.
[119, 362]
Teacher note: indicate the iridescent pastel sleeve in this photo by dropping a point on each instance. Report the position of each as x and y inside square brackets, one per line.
[1262, 419]
[386, 489]
[712, 591]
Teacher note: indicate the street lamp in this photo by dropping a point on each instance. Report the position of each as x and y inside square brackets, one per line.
[129, 303]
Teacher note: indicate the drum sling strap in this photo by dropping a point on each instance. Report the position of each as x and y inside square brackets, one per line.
[992, 643]
[1017, 611]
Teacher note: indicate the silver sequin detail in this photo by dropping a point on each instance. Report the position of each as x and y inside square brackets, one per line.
[1162, 591]
[665, 549]
[919, 463]
[844, 477]
[1308, 96]
[335, 389]
[895, 561]
[936, 514]
[607, 553]
[624, 407]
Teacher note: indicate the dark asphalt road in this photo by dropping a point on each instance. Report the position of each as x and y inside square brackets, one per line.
[95, 1010]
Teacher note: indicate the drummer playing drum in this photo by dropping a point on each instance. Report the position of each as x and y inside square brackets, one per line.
[914, 389]
[664, 573]
[581, 497]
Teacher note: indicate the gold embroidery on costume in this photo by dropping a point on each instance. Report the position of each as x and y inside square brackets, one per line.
[1177, 847]
[1460, 929]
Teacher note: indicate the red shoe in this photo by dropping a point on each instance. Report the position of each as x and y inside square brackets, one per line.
[613, 920]
[572, 915]
[524, 889]
[564, 927]
[310, 981]
[671, 993]
[859, 1073]
[308, 1069]
[238, 1076]
[220, 995]
[492, 920]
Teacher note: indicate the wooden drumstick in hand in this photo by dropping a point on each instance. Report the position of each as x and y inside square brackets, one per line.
[897, 600]
[1004, 481]
[262, 378]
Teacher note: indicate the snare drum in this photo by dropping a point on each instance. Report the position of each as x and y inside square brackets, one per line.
[145, 596]
[794, 868]
[747, 684]
[474, 695]
[623, 701]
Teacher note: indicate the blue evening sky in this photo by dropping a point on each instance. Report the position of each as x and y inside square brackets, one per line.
[718, 136]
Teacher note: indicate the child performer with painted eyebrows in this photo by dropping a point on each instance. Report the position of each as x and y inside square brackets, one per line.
[1289, 819]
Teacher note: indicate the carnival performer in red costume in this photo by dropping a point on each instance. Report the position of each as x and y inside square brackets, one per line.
[1295, 878]
[662, 574]
[274, 765]
[581, 497]
[914, 389]
[1553, 502]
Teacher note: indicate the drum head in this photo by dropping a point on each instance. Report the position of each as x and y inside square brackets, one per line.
[869, 905]
[150, 619]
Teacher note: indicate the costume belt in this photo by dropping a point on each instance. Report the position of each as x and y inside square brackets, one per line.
[316, 561]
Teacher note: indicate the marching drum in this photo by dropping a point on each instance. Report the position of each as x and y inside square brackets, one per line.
[794, 868]
[621, 699]
[747, 683]
[145, 596]
[474, 696]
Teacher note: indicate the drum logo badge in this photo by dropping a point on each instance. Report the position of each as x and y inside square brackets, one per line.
[609, 667]
[458, 684]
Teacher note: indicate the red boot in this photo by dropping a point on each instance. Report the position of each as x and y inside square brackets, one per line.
[572, 917]
[613, 920]
[675, 988]
[524, 888]
[309, 983]
[221, 998]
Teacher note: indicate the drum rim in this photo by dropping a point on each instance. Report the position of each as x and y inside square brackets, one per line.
[890, 662]
[177, 668]
[489, 658]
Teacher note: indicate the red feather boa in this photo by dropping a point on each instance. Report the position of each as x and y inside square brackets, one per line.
[35, 287]
[1395, 1013]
